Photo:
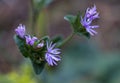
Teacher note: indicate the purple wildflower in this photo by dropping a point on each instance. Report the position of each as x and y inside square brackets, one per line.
[90, 15]
[20, 31]
[40, 45]
[52, 54]
[30, 40]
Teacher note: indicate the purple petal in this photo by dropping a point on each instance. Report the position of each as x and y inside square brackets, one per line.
[52, 54]
[90, 15]
[95, 26]
[20, 30]
[93, 31]
[40, 45]
[55, 51]
[88, 30]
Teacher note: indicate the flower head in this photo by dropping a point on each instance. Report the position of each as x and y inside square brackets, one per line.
[90, 15]
[20, 31]
[40, 45]
[30, 40]
[52, 54]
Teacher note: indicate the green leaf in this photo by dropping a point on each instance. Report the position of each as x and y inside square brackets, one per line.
[45, 38]
[77, 23]
[38, 67]
[39, 4]
[70, 18]
[21, 45]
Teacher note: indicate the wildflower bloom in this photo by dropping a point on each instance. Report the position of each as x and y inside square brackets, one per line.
[20, 31]
[40, 45]
[30, 40]
[52, 54]
[90, 15]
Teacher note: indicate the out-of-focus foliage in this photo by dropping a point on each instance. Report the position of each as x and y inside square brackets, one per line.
[39, 21]
[83, 63]
[41, 24]
[22, 75]
[39, 4]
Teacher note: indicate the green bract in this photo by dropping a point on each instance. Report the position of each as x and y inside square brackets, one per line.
[76, 25]
[35, 55]
[22, 46]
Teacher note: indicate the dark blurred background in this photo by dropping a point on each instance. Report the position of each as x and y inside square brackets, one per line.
[94, 60]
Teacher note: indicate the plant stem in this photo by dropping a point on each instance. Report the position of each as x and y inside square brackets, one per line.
[66, 40]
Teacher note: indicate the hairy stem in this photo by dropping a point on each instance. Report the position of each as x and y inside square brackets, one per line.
[66, 40]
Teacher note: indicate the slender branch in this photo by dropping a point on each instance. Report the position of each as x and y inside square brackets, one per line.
[67, 39]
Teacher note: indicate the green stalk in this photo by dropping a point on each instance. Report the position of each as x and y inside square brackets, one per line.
[66, 40]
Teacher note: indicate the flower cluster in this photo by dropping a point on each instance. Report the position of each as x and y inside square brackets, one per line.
[45, 50]
[51, 54]
[90, 15]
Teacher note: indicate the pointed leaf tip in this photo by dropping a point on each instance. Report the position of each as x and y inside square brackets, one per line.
[38, 68]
